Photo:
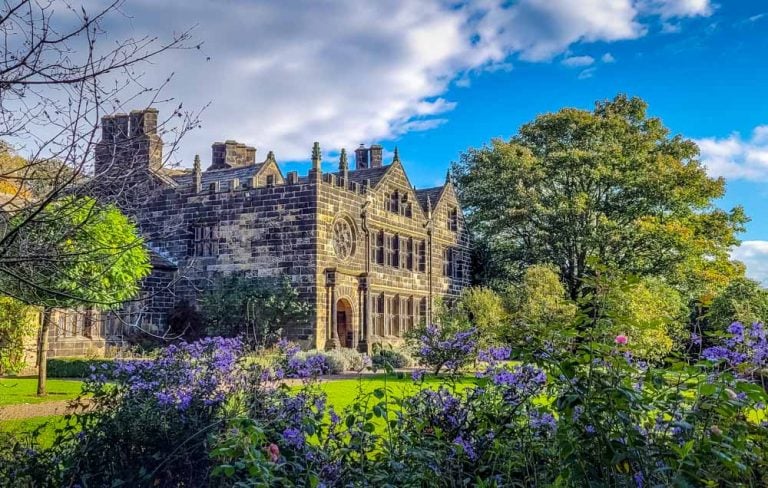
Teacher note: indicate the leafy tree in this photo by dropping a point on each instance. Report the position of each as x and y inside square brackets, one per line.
[17, 325]
[608, 185]
[257, 308]
[743, 300]
[539, 308]
[83, 253]
[652, 315]
[484, 309]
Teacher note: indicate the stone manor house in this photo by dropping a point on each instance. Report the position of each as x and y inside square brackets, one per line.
[368, 251]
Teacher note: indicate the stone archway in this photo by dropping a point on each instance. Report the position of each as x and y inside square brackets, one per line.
[344, 325]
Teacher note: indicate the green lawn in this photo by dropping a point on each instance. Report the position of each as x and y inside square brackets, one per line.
[45, 426]
[342, 393]
[24, 390]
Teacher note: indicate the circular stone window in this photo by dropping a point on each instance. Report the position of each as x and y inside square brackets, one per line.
[343, 239]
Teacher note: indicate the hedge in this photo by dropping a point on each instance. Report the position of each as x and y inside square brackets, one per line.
[75, 367]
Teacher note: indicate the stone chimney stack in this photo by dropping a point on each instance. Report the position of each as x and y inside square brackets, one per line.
[361, 157]
[128, 143]
[231, 154]
[376, 155]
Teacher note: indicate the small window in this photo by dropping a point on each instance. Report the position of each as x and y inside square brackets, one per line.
[423, 311]
[394, 251]
[206, 241]
[378, 315]
[394, 202]
[270, 180]
[410, 314]
[453, 219]
[448, 262]
[379, 248]
[422, 256]
[394, 315]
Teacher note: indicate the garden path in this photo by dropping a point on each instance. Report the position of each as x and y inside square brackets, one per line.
[29, 410]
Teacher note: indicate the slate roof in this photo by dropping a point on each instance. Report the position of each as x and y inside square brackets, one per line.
[373, 174]
[160, 261]
[225, 176]
[434, 195]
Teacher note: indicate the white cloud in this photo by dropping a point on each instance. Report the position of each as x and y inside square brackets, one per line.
[608, 58]
[734, 157]
[754, 254]
[587, 73]
[284, 74]
[577, 61]
[668, 9]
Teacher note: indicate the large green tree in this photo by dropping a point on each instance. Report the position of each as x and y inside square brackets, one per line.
[76, 253]
[609, 185]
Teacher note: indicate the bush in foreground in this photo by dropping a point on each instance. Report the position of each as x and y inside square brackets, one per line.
[195, 416]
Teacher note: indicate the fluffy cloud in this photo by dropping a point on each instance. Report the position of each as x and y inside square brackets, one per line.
[576, 61]
[755, 255]
[734, 157]
[283, 74]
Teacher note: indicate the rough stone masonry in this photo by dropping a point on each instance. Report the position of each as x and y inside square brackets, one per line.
[369, 252]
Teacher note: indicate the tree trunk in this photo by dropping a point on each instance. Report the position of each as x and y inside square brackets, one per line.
[42, 351]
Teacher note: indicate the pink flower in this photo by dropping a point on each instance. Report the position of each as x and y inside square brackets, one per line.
[621, 339]
[273, 452]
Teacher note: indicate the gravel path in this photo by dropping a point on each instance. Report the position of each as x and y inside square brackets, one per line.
[28, 410]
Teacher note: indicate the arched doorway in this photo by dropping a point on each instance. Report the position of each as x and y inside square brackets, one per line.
[344, 322]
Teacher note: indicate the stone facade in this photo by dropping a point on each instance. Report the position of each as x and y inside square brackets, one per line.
[370, 253]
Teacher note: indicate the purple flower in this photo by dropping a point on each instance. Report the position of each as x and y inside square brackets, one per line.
[417, 375]
[293, 437]
[639, 479]
[466, 447]
[544, 422]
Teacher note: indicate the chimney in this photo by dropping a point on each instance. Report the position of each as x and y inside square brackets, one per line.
[143, 122]
[361, 157]
[376, 155]
[121, 126]
[250, 155]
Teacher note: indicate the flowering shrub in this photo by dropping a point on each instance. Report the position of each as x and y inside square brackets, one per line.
[196, 417]
[440, 348]
[744, 349]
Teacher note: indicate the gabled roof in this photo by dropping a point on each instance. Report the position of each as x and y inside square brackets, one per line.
[242, 173]
[433, 194]
[373, 174]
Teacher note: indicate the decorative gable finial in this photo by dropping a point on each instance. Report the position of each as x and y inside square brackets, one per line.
[197, 175]
[316, 156]
[343, 163]
[396, 157]
[271, 157]
[448, 176]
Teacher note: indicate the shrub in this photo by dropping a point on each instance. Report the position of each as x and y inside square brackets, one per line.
[324, 362]
[78, 367]
[18, 325]
[385, 358]
[743, 300]
[539, 309]
[444, 347]
[256, 309]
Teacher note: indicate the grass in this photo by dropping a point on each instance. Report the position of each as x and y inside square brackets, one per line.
[45, 427]
[342, 393]
[24, 390]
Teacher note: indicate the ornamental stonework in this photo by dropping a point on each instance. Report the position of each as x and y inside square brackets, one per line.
[370, 253]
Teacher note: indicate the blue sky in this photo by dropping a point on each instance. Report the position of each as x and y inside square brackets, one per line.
[436, 77]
